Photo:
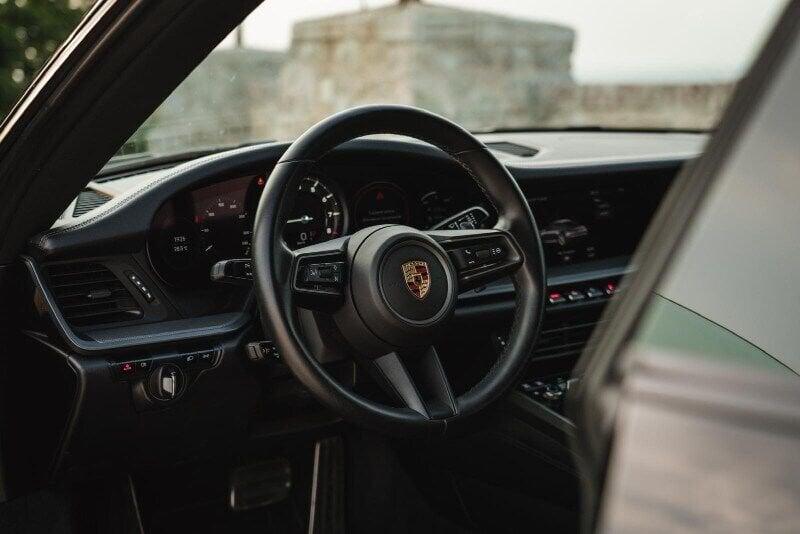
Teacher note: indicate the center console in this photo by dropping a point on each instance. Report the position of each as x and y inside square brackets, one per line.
[590, 228]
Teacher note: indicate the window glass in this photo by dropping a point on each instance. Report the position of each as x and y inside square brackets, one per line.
[731, 292]
[516, 64]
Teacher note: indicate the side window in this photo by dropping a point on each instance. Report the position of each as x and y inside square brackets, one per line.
[671, 327]
[732, 292]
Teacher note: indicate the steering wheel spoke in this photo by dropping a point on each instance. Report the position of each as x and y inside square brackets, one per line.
[319, 275]
[417, 379]
[479, 256]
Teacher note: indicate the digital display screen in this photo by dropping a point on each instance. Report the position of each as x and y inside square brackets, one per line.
[196, 229]
[591, 223]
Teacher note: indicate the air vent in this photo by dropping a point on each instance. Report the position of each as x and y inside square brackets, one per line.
[90, 294]
[87, 200]
[565, 337]
[521, 151]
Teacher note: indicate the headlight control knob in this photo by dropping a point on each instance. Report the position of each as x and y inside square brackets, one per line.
[166, 382]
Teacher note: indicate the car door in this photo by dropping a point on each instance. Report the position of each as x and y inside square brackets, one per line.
[688, 409]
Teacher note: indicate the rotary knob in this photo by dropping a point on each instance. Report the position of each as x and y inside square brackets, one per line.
[166, 382]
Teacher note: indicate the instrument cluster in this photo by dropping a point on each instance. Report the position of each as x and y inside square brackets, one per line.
[195, 229]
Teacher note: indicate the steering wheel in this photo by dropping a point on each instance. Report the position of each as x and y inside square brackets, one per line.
[390, 289]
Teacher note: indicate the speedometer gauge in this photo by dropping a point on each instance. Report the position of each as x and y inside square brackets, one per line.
[214, 224]
[317, 215]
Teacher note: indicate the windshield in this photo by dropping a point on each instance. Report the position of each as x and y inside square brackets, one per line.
[517, 64]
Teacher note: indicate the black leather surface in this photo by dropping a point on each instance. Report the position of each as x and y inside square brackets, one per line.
[273, 290]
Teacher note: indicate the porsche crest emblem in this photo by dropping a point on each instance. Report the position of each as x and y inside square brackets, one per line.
[418, 278]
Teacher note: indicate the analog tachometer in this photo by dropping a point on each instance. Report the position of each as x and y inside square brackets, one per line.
[318, 215]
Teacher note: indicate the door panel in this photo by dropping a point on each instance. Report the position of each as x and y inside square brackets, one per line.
[699, 447]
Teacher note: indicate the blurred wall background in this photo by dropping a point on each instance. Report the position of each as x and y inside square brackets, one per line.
[484, 71]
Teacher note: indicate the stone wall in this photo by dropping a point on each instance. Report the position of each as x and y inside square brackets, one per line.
[479, 69]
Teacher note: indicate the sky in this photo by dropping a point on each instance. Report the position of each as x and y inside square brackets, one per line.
[644, 41]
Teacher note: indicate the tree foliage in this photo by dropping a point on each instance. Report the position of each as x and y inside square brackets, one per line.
[30, 31]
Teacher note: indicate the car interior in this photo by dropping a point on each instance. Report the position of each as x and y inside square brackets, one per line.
[142, 314]
[374, 326]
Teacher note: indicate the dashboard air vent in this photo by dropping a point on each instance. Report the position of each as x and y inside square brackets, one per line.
[90, 294]
[521, 151]
[87, 200]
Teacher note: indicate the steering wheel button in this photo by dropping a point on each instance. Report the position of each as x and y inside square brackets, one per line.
[321, 273]
[483, 254]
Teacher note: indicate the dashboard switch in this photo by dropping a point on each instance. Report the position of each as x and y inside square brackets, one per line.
[594, 293]
[143, 366]
[143, 289]
[555, 298]
[206, 358]
[132, 369]
[202, 358]
[576, 296]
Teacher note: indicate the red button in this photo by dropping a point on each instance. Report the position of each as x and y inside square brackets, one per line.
[126, 368]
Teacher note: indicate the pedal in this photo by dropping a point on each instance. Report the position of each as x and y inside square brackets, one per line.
[258, 485]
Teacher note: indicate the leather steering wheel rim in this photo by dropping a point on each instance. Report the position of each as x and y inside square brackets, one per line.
[273, 270]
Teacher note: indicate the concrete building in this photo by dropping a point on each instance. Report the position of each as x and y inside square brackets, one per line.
[229, 98]
[480, 70]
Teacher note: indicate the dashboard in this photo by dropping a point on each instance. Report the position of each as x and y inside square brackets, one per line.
[125, 288]
[164, 228]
